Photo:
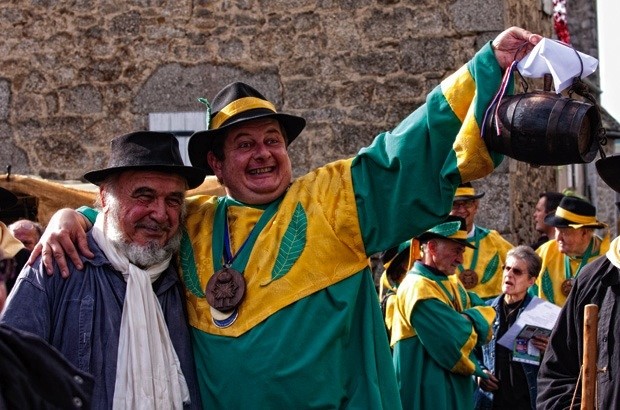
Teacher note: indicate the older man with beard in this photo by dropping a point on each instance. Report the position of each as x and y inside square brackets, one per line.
[122, 317]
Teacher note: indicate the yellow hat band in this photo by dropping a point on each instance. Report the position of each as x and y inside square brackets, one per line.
[239, 106]
[459, 235]
[465, 192]
[574, 218]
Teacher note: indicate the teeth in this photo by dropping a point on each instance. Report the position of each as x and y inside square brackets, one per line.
[260, 170]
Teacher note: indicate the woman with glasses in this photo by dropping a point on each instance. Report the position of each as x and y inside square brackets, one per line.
[511, 384]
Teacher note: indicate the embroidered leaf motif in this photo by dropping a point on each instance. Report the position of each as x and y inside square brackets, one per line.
[292, 245]
[491, 268]
[547, 286]
[188, 266]
[463, 297]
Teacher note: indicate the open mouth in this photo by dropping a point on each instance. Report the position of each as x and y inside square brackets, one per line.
[263, 170]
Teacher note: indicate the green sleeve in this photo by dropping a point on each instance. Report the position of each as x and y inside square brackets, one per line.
[405, 180]
[88, 213]
[444, 333]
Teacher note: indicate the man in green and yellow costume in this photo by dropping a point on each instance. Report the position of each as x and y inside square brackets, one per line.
[575, 245]
[481, 270]
[279, 292]
[437, 325]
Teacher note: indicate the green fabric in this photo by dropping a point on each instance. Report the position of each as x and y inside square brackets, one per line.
[295, 374]
[431, 179]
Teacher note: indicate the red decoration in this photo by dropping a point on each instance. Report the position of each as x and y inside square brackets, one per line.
[559, 21]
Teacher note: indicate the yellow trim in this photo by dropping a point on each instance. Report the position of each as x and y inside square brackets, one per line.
[573, 217]
[463, 191]
[239, 106]
[465, 366]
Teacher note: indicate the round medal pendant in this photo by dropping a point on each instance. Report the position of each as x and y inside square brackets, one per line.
[225, 290]
[469, 278]
[567, 285]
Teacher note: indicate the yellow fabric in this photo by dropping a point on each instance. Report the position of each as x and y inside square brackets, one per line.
[578, 220]
[238, 106]
[553, 262]
[416, 288]
[490, 245]
[390, 304]
[9, 245]
[333, 229]
[473, 159]
[465, 191]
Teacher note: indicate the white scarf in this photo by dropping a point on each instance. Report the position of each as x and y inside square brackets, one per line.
[148, 372]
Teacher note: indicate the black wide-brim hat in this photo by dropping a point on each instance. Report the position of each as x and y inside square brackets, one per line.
[574, 212]
[608, 169]
[454, 228]
[147, 151]
[234, 104]
[7, 199]
[465, 192]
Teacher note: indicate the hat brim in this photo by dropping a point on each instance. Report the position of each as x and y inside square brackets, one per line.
[609, 170]
[194, 176]
[558, 222]
[427, 236]
[467, 197]
[201, 142]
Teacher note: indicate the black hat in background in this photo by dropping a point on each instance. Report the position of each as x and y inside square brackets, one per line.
[465, 192]
[574, 212]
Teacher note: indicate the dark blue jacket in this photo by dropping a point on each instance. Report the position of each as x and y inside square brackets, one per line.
[81, 317]
[483, 400]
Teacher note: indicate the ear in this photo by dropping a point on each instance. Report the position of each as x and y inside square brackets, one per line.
[102, 197]
[215, 164]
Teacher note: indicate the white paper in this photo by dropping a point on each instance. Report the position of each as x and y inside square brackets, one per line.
[539, 313]
[559, 60]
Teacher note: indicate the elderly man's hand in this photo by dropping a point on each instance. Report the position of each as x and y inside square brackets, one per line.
[66, 229]
[513, 44]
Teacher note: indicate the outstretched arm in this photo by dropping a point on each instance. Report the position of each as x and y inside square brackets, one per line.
[64, 236]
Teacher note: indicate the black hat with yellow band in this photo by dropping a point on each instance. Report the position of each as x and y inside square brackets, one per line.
[454, 228]
[235, 104]
[574, 212]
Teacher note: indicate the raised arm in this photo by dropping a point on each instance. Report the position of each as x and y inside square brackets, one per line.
[64, 236]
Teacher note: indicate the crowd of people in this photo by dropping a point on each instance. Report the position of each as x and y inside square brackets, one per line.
[264, 297]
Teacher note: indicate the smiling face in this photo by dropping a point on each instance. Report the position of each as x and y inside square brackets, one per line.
[516, 278]
[256, 168]
[466, 209]
[147, 206]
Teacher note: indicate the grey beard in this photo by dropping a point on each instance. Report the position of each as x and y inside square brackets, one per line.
[143, 256]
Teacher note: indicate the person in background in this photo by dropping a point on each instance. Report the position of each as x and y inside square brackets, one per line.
[559, 385]
[481, 270]
[575, 245]
[27, 232]
[547, 204]
[396, 264]
[437, 324]
[13, 255]
[122, 318]
[511, 384]
[276, 251]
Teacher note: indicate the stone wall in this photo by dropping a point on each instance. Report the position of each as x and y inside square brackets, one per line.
[75, 74]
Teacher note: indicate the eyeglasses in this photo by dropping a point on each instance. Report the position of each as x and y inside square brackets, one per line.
[516, 271]
[468, 204]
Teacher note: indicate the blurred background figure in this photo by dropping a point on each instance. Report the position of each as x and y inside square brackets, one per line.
[481, 270]
[547, 204]
[511, 384]
[27, 232]
[13, 255]
[396, 264]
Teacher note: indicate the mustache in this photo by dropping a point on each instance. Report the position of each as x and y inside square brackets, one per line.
[154, 226]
